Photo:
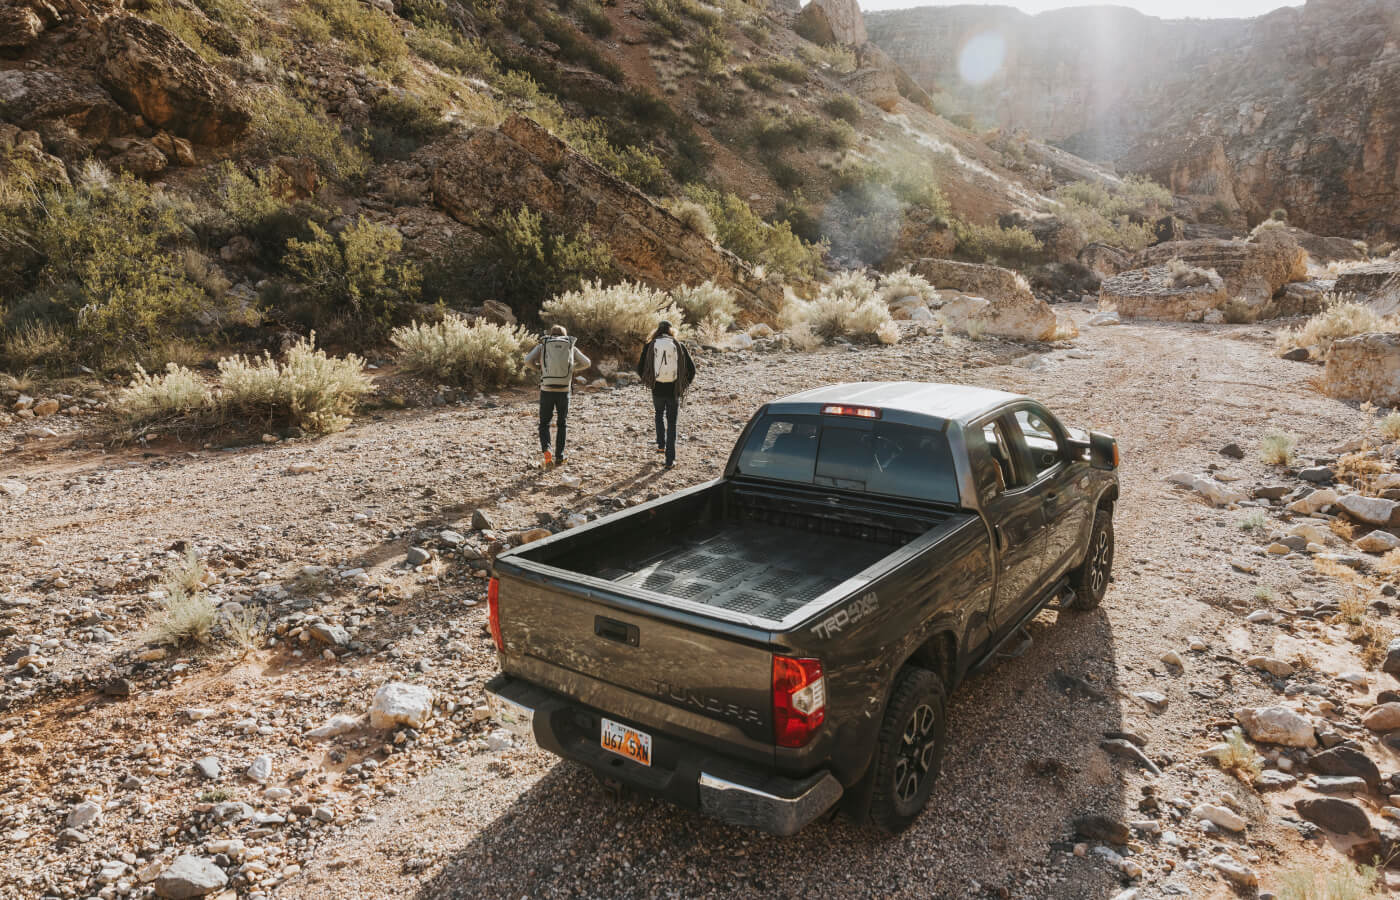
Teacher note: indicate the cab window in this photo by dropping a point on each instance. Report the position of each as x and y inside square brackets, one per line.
[1040, 439]
[1003, 454]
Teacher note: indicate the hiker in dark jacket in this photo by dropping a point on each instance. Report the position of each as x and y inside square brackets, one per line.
[557, 359]
[666, 368]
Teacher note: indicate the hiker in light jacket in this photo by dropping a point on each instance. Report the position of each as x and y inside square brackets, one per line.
[666, 368]
[558, 359]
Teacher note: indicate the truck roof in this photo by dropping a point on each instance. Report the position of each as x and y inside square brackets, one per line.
[951, 402]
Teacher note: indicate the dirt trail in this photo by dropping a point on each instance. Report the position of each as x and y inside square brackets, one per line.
[1024, 758]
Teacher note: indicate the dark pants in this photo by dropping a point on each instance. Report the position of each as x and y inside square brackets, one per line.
[550, 401]
[666, 408]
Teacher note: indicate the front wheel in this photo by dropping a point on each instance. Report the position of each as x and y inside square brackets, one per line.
[1090, 580]
[910, 750]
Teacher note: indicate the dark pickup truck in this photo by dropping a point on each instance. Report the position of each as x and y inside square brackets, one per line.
[782, 639]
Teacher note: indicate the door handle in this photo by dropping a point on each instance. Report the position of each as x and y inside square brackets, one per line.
[1001, 538]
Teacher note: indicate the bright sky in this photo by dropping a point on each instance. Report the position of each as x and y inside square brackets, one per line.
[1166, 9]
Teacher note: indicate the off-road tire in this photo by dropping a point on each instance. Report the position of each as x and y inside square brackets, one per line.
[912, 739]
[1090, 580]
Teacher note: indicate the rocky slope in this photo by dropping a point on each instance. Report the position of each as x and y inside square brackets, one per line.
[1293, 109]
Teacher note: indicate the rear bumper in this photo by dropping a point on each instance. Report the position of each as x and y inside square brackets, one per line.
[689, 776]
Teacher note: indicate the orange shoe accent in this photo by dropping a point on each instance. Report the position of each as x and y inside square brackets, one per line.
[548, 459]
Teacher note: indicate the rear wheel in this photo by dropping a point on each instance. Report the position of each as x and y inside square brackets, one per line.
[1090, 580]
[910, 750]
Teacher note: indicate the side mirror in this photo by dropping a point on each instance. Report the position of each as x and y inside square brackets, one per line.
[1103, 451]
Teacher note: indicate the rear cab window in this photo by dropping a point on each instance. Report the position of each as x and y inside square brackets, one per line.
[874, 457]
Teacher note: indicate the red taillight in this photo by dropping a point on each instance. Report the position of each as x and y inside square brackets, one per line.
[799, 700]
[863, 412]
[493, 612]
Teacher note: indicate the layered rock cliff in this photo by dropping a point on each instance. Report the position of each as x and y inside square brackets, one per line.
[1296, 109]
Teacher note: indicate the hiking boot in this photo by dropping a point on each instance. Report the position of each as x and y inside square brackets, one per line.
[548, 460]
[559, 462]
[660, 449]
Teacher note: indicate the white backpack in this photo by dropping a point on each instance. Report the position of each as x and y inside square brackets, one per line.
[665, 360]
[557, 366]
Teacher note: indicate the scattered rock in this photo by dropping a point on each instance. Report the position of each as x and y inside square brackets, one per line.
[260, 769]
[1314, 502]
[1232, 450]
[1220, 816]
[481, 521]
[83, 815]
[400, 703]
[335, 726]
[417, 556]
[1276, 725]
[1316, 474]
[1273, 666]
[1364, 368]
[1236, 872]
[190, 876]
[1335, 815]
[208, 767]
[334, 635]
[1377, 542]
[1218, 494]
[1383, 717]
[1371, 510]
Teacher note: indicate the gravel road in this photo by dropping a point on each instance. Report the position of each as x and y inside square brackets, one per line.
[459, 821]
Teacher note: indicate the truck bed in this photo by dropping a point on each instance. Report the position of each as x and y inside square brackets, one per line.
[764, 570]
[760, 553]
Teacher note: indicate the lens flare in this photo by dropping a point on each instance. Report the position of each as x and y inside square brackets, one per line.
[981, 57]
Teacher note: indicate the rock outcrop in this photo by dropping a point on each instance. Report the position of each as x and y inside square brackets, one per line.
[497, 169]
[992, 282]
[1364, 368]
[845, 18]
[989, 299]
[1252, 270]
[69, 110]
[1293, 109]
[152, 72]
[1152, 294]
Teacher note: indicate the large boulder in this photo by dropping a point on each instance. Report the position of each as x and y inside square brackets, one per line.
[845, 18]
[66, 108]
[399, 703]
[1277, 725]
[1104, 260]
[520, 163]
[20, 26]
[998, 300]
[152, 72]
[1364, 368]
[190, 876]
[1253, 270]
[25, 148]
[876, 86]
[1153, 293]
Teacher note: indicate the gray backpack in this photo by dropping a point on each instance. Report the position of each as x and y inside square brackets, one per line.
[557, 362]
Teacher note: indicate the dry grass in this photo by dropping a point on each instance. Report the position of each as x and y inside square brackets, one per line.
[185, 619]
[707, 301]
[1237, 757]
[904, 283]
[1374, 639]
[1357, 466]
[1255, 521]
[1390, 427]
[481, 354]
[846, 307]
[1337, 880]
[189, 575]
[1276, 448]
[1342, 318]
[1343, 529]
[1389, 564]
[246, 630]
[316, 391]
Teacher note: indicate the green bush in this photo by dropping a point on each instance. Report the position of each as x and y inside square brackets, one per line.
[990, 243]
[480, 354]
[739, 230]
[869, 203]
[594, 19]
[663, 13]
[843, 106]
[400, 123]
[356, 279]
[620, 317]
[283, 126]
[711, 51]
[787, 69]
[448, 50]
[1103, 214]
[101, 262]
[758, 79]
[774, 133]
[718, 99]
[369, 35]
[526, 260]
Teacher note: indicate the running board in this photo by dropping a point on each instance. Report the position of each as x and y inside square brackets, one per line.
[1059, 590]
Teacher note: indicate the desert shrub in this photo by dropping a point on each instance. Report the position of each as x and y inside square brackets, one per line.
[664, 14]
[1237, 757]
[1342, 318]
[526, 260]
[837, 135]
[787, 69]
[1279, 215]
[693, 216]
[368, 34]
[481, 354]
[772, 133]
[354, 279]
[711, 51]
[249, 201]
[757, 31]
[177, 393]
[838, 57]
[1102, 213]
[1390, 427]
[35, 342]
[991, 243]
[869, 203]
[447, 49]
[1276, 448]
[1255, 521]
[739, 230]
[102, 263]
[595, 20]
[707, 302]
[314, 391]
[904, 283]
[283, 126]
[620, 317]
[784, 174]
[758, 79]
[401, 122]
[1182, 275]
[842, 106]
[848, 306]
[1238, 312]
[718, 100]
[185, 619]
[1336, 880]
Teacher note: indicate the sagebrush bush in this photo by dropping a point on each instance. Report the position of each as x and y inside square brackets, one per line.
[756, 78]
[1390, 427]
[693, 216]
[368, 34]
[903, 283]
[284, 126]
[707, 302]
[1342, 318]
[848, 306]
[843, 106]
[357, 279]
[990, 243]
[1276, 448]
[315, 391]
[174, 394]
[787, 69]
[619, 317]
[184, 619]
[740, 230]
[1102, 213]
[480, 354]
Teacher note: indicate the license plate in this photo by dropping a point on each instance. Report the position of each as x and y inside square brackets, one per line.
[626, 741]
[517, 719]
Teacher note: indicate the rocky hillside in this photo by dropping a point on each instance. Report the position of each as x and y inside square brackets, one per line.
[1292, 110]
